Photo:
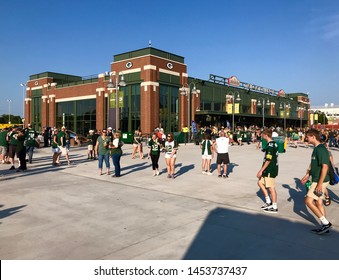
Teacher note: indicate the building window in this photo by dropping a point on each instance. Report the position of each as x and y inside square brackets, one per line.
[169, 108]
[130, 112]
[78, 116]
[36, 113]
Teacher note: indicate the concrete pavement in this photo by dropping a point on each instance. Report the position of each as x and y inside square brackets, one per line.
[74, 213]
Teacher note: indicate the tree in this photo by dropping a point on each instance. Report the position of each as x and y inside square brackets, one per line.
[14, 119]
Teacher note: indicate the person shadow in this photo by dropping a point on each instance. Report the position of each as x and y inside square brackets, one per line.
[332, 195]
[230, 167]
[297, 197]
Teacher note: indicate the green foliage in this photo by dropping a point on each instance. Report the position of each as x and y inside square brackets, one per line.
[14, 119]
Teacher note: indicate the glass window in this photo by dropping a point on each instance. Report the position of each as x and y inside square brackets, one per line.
[78, 116]
[169, 108]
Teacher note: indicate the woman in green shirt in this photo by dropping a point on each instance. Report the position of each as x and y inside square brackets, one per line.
[102, 150]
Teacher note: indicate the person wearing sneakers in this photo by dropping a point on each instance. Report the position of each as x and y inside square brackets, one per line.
[154, 148]
[55, 148]
[318, 171]
[221, 147]
[207, 153]
[170, 155]
[268, 172]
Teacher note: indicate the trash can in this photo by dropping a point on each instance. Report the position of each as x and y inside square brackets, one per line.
[179, 137]
[127, 137]
[280, 140]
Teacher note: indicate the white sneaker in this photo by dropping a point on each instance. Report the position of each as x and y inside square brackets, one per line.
[209, 173]
[204, 172]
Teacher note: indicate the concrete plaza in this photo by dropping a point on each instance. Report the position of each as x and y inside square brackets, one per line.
[74, 213]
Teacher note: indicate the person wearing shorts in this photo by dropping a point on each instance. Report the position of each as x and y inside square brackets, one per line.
[221, 147]
[90, 145]
[170, 155]
[55, 148]
[318, 171]
[3, 145]
[12, 138]
[268, 172]
[206, 154]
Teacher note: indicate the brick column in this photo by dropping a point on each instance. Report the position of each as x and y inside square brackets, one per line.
[100, 108]
[28, 116]
[44, 111]
[52, 107]
[149, 106]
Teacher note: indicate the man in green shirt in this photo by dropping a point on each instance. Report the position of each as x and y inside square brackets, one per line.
[318, 171]
[268, 172]
[12, 139]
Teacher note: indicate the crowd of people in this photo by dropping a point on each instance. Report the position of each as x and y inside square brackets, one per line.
[18, 142]
[107, 144]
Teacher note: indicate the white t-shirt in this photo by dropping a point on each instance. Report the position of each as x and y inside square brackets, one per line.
[222, 145]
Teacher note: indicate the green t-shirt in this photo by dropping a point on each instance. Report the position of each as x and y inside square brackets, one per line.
[30, 136]
[271, 155]
[3, 139]
[240, 134]
[54, 145]
[102, 149]
[90, 139]
[320, 156]
[117, 143]
[155, 147]
[61, 138]
[13, 138]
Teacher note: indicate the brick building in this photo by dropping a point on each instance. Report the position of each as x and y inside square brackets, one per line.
[156, 94]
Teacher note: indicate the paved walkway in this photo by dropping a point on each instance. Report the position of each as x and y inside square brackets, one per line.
[74, 213]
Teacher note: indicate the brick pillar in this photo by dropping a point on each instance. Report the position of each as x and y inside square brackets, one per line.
[44, 111]
[100, 108]
[52, 108]
[28, 116]
[149, 106]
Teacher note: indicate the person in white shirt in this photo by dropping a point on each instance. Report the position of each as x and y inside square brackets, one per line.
[221, 145]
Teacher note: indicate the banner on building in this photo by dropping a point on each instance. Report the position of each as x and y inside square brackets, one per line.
[229, 108]
[112, 100]
[236, 108]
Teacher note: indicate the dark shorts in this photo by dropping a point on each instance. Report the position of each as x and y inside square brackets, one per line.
[11, 151]
[223, 158]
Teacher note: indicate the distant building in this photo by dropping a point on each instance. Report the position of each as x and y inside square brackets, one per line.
[156, 94]
[331, 112]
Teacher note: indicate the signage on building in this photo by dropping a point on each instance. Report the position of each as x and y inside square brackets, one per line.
[281, 93]
[233, 81]
[112, 102]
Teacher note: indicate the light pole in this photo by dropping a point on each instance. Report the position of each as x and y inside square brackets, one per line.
[263, 107]
[186, 91]
[229, 96]
[9, 110]
[285, 106]
[119, 82]
[23, 100]
[301, 110]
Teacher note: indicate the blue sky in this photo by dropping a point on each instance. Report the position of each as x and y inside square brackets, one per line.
[290, 45]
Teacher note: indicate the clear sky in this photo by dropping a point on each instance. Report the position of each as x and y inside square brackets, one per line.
[283, 44]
